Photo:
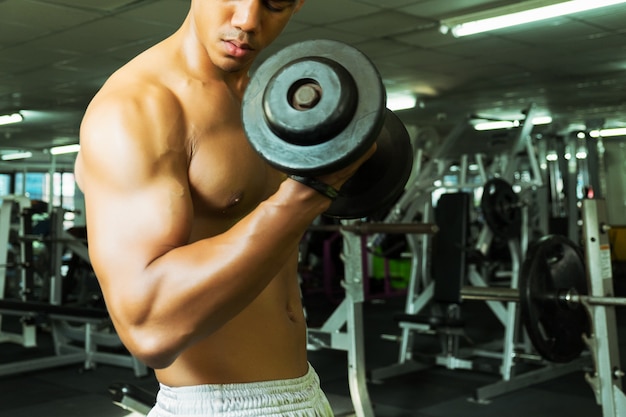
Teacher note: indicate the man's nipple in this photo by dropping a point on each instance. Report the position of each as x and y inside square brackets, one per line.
[233, 202]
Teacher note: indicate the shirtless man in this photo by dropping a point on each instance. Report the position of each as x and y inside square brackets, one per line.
[193, 237]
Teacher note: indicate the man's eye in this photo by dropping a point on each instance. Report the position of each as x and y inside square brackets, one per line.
[277, 6]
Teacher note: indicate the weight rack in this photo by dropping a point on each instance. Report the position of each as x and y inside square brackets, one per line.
[606, 379]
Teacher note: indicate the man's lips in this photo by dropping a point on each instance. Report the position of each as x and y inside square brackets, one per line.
[237, 49]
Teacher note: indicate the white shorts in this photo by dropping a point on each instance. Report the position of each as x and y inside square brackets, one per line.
[297, 397]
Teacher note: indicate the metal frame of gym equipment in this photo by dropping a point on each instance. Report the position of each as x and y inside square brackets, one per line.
[564, 170]
[28, 335]
[409, 205]
[605, 376]
[329, 270]
[422, 184]
[417, 198]
[77, 332]
[349, 314]
[511, 346]
[606, 380]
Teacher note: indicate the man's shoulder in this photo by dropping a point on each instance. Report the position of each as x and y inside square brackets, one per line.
[133, 104]
[132, 91]
[135, 82]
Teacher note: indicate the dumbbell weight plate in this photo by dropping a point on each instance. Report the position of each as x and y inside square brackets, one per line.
[380, 181]
[336, 130]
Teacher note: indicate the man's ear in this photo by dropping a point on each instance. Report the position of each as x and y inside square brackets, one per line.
[299, 5]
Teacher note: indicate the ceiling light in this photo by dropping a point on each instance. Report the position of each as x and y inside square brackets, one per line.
[6, 119]
[59, 150]
[542, 120]
[401, 101]
[605, 133]
[16, 155]
[508, 124]
[503, 124]
[517, 14]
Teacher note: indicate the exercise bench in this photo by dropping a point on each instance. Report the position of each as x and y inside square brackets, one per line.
[70, 327]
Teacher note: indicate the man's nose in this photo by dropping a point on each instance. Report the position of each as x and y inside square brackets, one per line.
[247, 15]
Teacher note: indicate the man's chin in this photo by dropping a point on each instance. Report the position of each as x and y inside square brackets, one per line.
[233, 66]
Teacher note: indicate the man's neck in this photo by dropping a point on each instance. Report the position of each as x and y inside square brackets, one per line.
[194, 56]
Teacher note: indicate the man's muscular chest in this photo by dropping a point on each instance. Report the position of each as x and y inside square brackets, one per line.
[227, 178]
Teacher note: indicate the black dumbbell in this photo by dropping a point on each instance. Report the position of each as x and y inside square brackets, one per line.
[317, 106]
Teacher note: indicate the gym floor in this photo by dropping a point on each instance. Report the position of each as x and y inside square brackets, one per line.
[434, 392]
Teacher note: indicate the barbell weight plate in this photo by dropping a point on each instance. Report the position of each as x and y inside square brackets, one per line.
[501, 210]
[553, 265]
[338, 128]
[381, 180]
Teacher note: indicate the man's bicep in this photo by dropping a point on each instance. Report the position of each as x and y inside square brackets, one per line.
[130, 231]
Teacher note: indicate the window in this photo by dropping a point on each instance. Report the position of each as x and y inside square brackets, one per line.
[36, 186]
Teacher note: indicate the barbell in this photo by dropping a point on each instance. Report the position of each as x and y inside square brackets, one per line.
[552, 294]
[316, 107]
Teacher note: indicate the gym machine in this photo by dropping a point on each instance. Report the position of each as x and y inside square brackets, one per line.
[78, 332]
[12, 207]
[349, 313]
[553, 287]
[497, 158]
[568, 304]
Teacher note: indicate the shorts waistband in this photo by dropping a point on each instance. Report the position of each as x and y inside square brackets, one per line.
[279, 397]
